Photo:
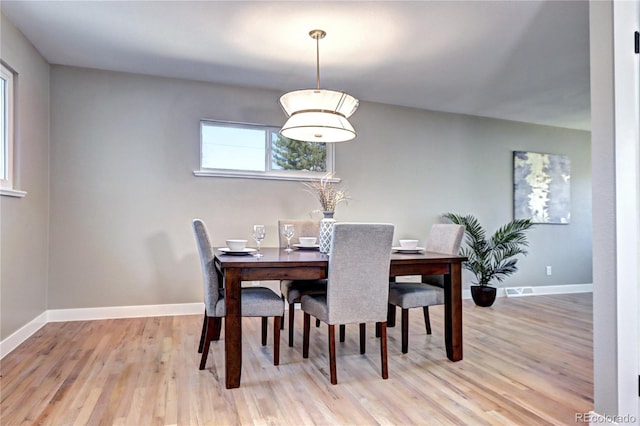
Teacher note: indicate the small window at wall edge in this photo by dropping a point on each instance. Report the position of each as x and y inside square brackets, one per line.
[255, 151]
[7, 132]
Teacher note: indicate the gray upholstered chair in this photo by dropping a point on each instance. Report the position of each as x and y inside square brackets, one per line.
[292, 290]
[443, 238]
[255, 301]
[357, 287]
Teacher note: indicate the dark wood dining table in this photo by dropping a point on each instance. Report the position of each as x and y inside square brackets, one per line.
[277, 264]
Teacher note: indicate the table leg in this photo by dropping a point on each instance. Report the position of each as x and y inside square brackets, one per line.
[453, 312]
[232, 329]
[391, 311]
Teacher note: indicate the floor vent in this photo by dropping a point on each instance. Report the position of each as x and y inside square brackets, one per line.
[518, 291]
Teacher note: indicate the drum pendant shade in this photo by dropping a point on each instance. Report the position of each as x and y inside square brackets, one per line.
[318, 115]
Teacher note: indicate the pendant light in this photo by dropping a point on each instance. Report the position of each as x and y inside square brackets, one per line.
[318, 115]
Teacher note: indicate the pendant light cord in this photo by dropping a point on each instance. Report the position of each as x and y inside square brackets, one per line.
[317, 35]
[318, 61]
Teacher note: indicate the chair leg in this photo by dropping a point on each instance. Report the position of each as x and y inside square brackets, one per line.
[207, 341]
[305, 335]
[363, 331]
[282, 322]
[383, 350]
[291, 318]
[277, 322]
[342, 332]
[264, 331]
[332, 354]
[405, 331]
[391, 315]
[427, 321]
[217, 327]
[203, 332]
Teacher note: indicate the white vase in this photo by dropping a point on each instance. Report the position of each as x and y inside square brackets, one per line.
[326, 232]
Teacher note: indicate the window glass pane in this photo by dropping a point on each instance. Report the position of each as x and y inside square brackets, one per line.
[290, 154]
[258, 151]
[236, 148]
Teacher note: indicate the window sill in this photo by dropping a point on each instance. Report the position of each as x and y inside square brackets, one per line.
[259, 175]
[13, 193]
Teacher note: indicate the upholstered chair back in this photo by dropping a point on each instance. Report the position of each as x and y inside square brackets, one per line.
[209, 274]
[445, 238]
[358, 278]
[304, 228]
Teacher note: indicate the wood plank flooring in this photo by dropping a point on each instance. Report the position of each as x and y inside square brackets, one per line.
[527, 361]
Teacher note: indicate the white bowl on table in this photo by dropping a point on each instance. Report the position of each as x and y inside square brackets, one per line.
[408, 244]
[307, 241]
[236, 245]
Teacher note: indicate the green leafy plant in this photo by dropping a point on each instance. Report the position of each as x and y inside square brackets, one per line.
[493, 258]
[290, 154]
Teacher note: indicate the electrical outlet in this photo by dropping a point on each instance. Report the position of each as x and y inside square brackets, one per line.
[548, 270]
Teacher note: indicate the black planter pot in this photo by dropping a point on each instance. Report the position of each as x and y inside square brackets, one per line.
[483, 295]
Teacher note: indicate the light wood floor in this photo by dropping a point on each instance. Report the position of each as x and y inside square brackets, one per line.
[527, 361]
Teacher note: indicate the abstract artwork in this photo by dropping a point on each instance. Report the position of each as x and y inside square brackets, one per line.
[541, 187]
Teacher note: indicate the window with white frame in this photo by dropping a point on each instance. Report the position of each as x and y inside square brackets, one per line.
[255, 151]
[6, 128]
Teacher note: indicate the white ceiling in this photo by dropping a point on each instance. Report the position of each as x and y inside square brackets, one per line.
[516, 60]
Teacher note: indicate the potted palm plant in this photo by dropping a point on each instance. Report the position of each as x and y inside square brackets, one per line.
[491, 259]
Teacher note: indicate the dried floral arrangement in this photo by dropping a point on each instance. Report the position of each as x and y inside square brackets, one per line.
[327, 193]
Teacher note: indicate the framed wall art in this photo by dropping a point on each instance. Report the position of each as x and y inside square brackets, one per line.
[541, 187]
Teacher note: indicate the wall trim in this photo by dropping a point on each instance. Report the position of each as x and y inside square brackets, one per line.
[89, 314]
[111, 312]
[15, 339]
[542, 290]
[13, 192]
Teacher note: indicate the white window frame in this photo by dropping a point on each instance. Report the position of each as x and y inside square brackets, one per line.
[298, 175]
[7, 137]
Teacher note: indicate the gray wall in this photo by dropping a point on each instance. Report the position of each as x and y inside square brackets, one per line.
[24, 222]
[123, 148]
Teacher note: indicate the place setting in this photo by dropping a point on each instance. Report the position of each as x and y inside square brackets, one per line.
[237, 248]
[307, 243]
[408, 246]
[304, 243]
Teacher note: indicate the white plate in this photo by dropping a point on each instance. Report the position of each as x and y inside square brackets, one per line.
[307, 246]
[227, 250]
[404, 250]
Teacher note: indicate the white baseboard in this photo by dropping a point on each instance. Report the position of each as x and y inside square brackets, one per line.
[86, 314]
[530, 290]
[547, 289]
[564, 289]
[19, 336]
[541, 290]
